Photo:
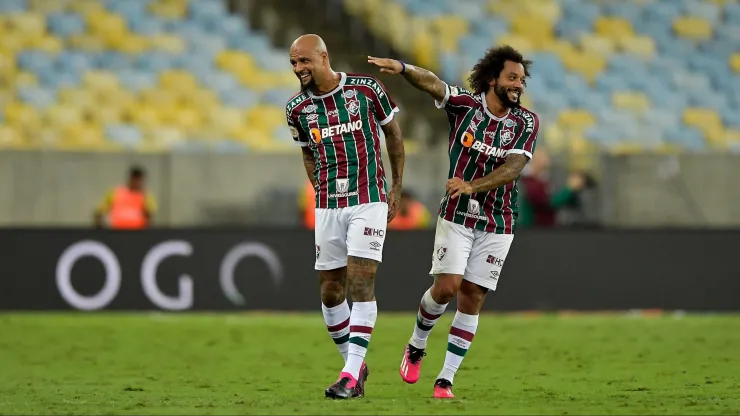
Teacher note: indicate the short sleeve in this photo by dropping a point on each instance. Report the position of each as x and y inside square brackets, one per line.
[527, 140]
[299, 136]
[456, 99]
[383, 104]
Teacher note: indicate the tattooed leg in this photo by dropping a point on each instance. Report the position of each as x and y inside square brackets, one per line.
[361, 280]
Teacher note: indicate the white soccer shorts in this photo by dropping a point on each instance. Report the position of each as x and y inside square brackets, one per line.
[476, 255]
[357, 231]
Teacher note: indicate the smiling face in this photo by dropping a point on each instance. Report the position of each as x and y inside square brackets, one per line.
[509, 86]
[310, 62]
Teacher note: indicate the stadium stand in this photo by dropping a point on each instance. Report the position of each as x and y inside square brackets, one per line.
[624, 76]
[146, 75]
[186, 75]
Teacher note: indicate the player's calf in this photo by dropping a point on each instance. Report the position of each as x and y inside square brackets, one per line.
[428, 315]
[432, 306]
[361, 276]
[469, 301]
[334, 307]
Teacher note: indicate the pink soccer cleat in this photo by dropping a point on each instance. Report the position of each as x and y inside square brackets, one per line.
[411, 364]
[443, 389]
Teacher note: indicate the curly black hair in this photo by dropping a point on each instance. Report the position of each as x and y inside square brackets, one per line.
[491, 65]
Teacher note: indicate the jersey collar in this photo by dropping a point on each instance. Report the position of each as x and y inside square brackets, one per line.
[342, 79]
[485, 107]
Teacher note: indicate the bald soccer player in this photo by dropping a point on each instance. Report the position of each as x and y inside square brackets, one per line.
[336, 119]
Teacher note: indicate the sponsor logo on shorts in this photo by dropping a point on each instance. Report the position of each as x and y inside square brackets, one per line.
[342, 185]
[495, 261]
[494, 275]
[318, 251]
[375, 245]
[441, 253]
[374, 232]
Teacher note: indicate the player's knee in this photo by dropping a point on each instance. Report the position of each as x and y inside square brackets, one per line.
[332, 293]
[333, 287]
[471, 297]
[445, 287]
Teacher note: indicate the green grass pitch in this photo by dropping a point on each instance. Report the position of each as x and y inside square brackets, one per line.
[281, 363]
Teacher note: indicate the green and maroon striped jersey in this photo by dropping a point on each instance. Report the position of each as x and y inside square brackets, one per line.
[479, 143]
[342, 128]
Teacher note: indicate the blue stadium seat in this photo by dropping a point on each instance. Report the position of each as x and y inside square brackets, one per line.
[126, 135]
[113, 61]
[231, 26]
[256, 44]
[40, 98]
[35, 61]
[589, 101]
[203, 10]
[147, 26]
[704, 9]
[450, 67]
[130, 10]
[729, 117]
[663, 119]
[65, 24]
[490, 27]
[688, 137]
[137, 80]
[707, 99]
[195, 62]
[278, 96]
[207, 45]
[662, 11]
[239, 98]
[13, 6]
[732, 14]
[219, 81]
[629, 10]
[155, 61]
[273, 61]
[54, 79]
[74, 61]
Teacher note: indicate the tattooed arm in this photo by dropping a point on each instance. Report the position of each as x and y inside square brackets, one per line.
[508, 172]
[309, 163]
[397, 156]
[418, 77]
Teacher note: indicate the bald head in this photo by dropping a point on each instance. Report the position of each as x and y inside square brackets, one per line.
[310, 61]
[309, 43]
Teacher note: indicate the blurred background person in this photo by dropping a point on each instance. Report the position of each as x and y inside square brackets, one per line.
[129, 206]
[538, 204]
[306, 205]
[412, 215]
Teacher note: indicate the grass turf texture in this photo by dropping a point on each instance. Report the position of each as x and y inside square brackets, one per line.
[280, 364]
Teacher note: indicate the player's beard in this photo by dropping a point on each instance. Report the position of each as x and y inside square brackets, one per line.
[503, 94]
[311, 85]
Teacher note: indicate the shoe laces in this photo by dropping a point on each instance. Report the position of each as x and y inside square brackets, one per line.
[415, 354]
[442, 383]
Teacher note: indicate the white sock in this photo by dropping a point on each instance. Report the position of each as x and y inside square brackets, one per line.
[361, 324]
[428, 315]
[458, 342]
[337, 322]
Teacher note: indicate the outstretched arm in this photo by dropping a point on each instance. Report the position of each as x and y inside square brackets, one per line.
[500, 176]
[420, 78]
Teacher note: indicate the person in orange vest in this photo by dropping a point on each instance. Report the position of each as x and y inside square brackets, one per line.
[307, 203]
[412, 215]
[129, 206]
